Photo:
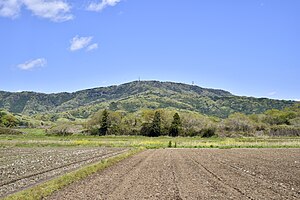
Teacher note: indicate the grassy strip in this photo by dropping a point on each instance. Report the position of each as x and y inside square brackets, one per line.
[155, 143]
[36, 138]
[48, 188]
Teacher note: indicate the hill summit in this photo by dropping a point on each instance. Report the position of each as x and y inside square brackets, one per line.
[137, 95]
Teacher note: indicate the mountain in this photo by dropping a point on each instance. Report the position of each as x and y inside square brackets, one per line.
[136, 95]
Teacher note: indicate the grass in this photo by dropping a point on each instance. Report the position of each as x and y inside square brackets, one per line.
[46, 189]
[37, 138]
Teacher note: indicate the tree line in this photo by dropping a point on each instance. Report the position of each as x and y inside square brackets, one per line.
[155, 123]
[168, 122]
[151, 129]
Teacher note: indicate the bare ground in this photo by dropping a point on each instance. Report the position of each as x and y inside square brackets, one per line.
[195, 174]
[21, 168]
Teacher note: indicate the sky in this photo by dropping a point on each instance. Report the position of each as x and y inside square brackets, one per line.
[249, 47]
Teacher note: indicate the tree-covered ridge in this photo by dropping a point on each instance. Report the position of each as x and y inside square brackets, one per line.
[133, 96]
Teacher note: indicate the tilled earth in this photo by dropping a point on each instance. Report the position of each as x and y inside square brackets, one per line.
[195, 174]
[21, 168]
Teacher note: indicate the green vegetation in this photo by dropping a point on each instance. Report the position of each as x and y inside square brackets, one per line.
[164, 122]
[175, 126]
[104, 123]
[154, 109]
[132, 97]
[170, 122]
[9, 131]
[155, 129]
[38, 138]
[7, 119]
[46, 189]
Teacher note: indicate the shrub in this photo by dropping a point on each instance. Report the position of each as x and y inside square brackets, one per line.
[8, 131]
[64, 130]
[93, 130]
[145, 130]
[208, 132]
[284, 130]
[238, 122]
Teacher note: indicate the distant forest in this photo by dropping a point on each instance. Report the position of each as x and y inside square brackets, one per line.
[150, 108]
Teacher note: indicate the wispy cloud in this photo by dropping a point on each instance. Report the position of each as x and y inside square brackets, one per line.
[30, 64]
[55, 10]
[92, 47]
[78, 43]
[99, 6]
[272, 93]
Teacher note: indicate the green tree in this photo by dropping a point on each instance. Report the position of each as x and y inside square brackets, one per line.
[113, 106]
[2, 114]
[104, 123]
[8, 120]
[175, 126]
[146, 129]
[156, 125]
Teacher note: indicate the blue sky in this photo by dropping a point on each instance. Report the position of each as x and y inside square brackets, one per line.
[249, 47]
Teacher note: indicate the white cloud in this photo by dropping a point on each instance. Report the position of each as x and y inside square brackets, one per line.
[10, 8]
[272, 93]
[92, 47]
[55, 10]
[79, 42]
[102, 4]
[40, 62]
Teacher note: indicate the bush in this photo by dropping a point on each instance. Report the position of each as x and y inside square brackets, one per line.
[93, 130]
[64, 130]
[146, 128]
[208, 132]
[284, 130]
[238, 122]
[8, 131]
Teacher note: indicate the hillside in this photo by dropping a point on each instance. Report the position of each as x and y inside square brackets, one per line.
[135, 95]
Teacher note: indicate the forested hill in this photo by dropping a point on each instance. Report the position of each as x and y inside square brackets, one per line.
[136, 95]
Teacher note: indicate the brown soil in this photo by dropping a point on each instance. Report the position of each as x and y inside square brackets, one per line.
[195, 174]
[21, 168]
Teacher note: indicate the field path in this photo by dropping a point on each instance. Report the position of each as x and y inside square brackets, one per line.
[195, 174]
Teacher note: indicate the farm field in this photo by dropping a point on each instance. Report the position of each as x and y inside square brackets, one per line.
[24, 167]
[195, 174]
[168, 167]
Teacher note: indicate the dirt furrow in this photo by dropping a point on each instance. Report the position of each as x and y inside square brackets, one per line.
[248, 184]
[20, 181]
[272, 184]
[102, 156]
[217, 182]
[182, 174]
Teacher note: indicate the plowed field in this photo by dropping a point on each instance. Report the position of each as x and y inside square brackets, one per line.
[21, 168]
[195, 174]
